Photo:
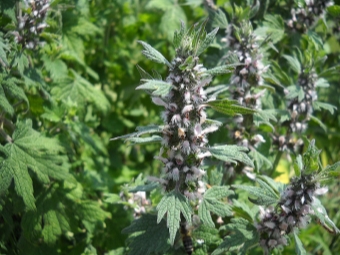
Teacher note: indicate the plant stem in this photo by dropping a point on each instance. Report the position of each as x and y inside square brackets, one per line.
[276, 162]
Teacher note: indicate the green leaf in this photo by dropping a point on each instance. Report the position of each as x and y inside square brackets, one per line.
[221, 69]
[229, 107]
[329, 172]
[321, 83]
[173, 204]
[319, 122]
[320, 105]
[321, 213]
[211, 203]
[153, 54]
[21, 61]
[265, 195]
[135, 137]
[10, 89]
[243, 235]
[171, 19]
[143, 73]
[148, 236]
[79, 90]
[299, 249]
[158, 88]
[334, 10]
[265, 117]
[241, 209]
[31, 150]
[219, 19]
[295, 91]
[178, 36]
[231, 153]
[207, 41]
[3, 48]
[293, 63]
[260, 160]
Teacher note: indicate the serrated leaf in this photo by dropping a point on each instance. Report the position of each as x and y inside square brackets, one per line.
[221, 69]
[321, 213]
[264, 195]
[147, 236]
[211, 203]
[31, 150]
[79, 90]
[295, 91]
[231, 153]
[207, 41]
[293, 63]
[260, 160]
[320, 105]
[146, 188]
[241, 209]
[143, 73]
[144, 140]
[171, 19]
[153, 54]
[21, 62]
[219, 19]
[3, 48]
[321, 83]
[178, 35]
[265, 117]
[299, 249]
[173, 204]
[218, 192]
[10, 89]
[229, 107]
[135, 138]
[243, 234]
[158, 88]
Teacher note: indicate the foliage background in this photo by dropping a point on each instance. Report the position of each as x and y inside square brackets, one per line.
[80, 89]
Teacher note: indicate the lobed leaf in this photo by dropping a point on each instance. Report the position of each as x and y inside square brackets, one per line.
[158, 88]
[211, 203]
[173, 204]
[243, 235]
[153, 54]
[231, 153]
[229, 107]
[299, 249]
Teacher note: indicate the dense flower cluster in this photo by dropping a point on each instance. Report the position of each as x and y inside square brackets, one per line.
[32, 23]
[184, 135]
[246, 78]
[291, 212]
[300, 111]
[248, 75]
[304, 17]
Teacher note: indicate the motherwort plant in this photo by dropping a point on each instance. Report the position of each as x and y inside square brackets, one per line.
[184, 133]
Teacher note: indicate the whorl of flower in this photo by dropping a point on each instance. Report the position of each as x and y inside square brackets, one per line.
[185, 132]
[248, 75]
[291, 212]
[32, 23]
[300, 111]
[305, 16]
